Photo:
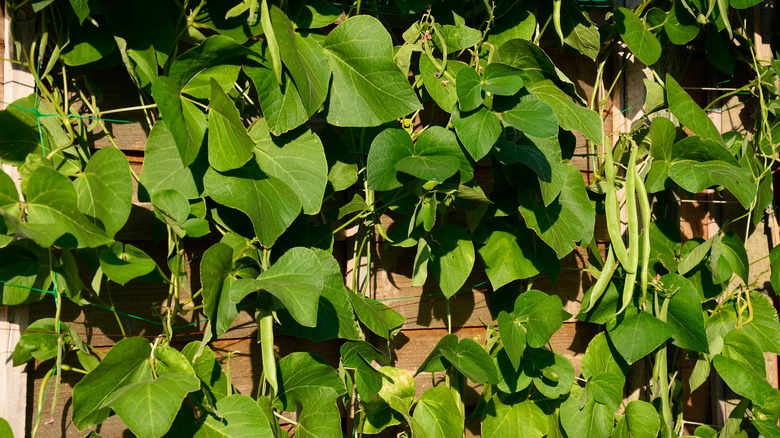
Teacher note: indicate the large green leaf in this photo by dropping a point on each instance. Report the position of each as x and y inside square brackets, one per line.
[149, 408]
[738, 345]
[394, 401]
[87, 44]
[662, 135]
[122, 263]
[105, 190]
[637, 37]
[217, 57]
[53, 214]
[638, 335]
[529, 58]
[685, 314]
[472, 360]
[434, 361]
[452, 258]
[513, 337]
[39, 342]
[458, 37]
[764, 328]
[388, 148]
[230, 146]
[531, 116]
[599, 359]
[586, 418]
[179, 116]
[728, 256]
[541, 314]
[24, 273]
[438, 414]
[361, 55]
[643, 420]
[469, 89]
[298, 161]
[570, 115]
[513, 380]
[300, 376]
[690, 115]
[607, 388]
[680, 26]
[438, 87]
[18, 135]
[562, 223]
[377, 317]
[122, 366]
[478, 131]
[320, 417]
[270, 203]
[543, 156]
[519, 419]
[296, 279]
[743, 380]
[282, 107]
[504, 259]
[502, 80]
[305, 61]
[520, 24]
[9, 194]
[335, 318]
[163, 168]
[313, 14]
[434, 156]
[578, 30]
[360, 357]
[242, 417]
[698, 163]
[553, 375]
[216, 264]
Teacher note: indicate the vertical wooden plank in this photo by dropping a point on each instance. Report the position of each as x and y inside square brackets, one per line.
[16, 83]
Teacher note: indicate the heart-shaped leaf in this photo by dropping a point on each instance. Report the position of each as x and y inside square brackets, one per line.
[365, 66]
[105, 190]
[472, 360]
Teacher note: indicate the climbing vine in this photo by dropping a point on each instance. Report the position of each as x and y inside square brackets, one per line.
[275, 126]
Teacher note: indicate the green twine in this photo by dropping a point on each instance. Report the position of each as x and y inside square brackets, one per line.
[100, 306]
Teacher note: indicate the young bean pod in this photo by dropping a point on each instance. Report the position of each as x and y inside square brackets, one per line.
[265, 323]
[603, 281]
[270, 39]
[613, 212]
[633, 232]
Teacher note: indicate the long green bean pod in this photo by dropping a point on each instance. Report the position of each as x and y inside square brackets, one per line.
[265, 324]
[270, 38]
[613, 212]
[603, 281]
[633, 232]
[644, 210]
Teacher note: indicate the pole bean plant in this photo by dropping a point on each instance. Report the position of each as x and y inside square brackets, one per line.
[275, 125]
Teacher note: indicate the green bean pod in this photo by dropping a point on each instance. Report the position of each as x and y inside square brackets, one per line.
[613, 212]
[633, 232]
[265, 323]
[644, 210]
[270, 38]
[603, 281]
